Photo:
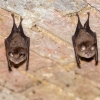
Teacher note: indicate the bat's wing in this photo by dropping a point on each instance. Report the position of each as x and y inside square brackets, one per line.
[76, 55]
[28, 47]
[6, 47]
[96, 54]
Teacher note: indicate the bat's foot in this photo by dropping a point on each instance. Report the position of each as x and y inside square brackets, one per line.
[77, 14]
[21, 19]
[88, 14]
[12, 15]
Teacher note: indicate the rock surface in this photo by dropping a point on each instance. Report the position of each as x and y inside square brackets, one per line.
[52, 74]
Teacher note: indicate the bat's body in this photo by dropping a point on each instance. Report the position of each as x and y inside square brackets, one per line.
[17, 46]
[85, 42]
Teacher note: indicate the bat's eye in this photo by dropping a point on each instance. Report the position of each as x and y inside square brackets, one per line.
[92, 48]
[11, 54]
[22, 54]
[83, 48]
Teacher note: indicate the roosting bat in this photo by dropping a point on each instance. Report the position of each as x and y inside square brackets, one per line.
[17, 46]
[85, 42]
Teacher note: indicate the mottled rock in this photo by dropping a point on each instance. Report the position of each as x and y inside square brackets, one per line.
[97, 98]
[52, 73]
[94, 3]
[6, 94]
[69, 6]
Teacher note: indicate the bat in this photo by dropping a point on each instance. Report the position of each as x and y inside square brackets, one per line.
[17, 46]
[85, 42]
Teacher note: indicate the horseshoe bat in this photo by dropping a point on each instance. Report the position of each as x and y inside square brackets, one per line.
[85, 42]
[17, 46]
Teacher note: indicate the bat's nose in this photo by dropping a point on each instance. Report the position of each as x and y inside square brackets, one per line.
[88, 53]
[16, 55]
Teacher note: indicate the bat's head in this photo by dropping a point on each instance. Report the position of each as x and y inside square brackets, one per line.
[17, 55]
[87, 49]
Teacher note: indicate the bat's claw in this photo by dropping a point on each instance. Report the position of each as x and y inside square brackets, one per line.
[88, 13]
[12, 15]
[21, 18]
[77, 14]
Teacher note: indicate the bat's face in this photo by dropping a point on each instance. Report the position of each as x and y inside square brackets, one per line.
[17, 57]
[86, 50]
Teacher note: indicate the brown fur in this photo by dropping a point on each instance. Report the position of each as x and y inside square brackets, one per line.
[17, 46]
[84, 42]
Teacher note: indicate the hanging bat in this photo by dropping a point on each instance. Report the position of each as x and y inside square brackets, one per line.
[85, 42]
[17, 46]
